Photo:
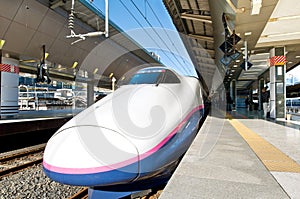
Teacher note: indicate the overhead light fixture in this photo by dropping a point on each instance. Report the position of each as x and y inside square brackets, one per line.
[297, 57]
[249, 73]
[2, 42]
[248, 33]
[281, 34]
[262, 54]
[95, 71]
[75, 64]
[236, 10]
[259, 60]
[60, 69]
[255, 6]
[46, 55]
[284, 18]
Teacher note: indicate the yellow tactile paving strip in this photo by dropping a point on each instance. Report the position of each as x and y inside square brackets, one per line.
[272, 158]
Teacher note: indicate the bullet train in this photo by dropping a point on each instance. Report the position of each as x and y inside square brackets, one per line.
[133, 138]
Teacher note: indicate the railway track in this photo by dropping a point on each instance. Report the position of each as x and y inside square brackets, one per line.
[82, 194]
[18, 160]
[15, 161]
[153, 194]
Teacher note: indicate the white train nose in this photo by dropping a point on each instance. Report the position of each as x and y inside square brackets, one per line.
[90, 149]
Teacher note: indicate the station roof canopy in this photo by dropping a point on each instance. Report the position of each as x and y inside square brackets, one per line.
[28, 25]
[264, 24]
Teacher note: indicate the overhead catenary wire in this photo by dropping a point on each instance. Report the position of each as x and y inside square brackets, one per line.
[128, 10]
[157, 18]
[149, 35]
[163, 41]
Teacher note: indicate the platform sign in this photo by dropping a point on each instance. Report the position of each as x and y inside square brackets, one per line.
[226, 60]
[243, 65]
[226, 47]
[277, 60]
[235, 55]
[234, 39]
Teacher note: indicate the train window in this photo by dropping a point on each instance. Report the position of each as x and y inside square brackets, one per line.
[145, 78]
[170, 78]
[154, 76]
[292, 102]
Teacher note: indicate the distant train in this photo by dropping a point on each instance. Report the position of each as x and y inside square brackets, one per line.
[293, 104]
[131, 139]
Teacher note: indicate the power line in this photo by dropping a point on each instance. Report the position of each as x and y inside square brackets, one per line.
[158, 35]
[128, 10]
[157, 18]
[149, 23]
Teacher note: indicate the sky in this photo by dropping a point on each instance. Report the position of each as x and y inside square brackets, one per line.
[149, 24]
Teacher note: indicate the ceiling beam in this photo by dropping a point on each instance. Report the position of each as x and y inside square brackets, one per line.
[195, 17]
[206, 60]
[205, 50]
[202, 37]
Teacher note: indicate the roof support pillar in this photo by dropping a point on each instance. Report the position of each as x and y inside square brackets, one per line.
[277, 83]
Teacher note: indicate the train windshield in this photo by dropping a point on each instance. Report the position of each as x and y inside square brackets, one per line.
[154, 76]
[145, 78]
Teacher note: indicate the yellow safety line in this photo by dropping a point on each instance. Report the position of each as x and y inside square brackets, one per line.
[272, 158]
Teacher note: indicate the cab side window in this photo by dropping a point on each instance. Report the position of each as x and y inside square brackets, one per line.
[170, 78]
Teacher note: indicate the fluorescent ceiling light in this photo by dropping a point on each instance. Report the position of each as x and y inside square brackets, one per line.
[2, 42]
[284, 18]
[281, 34]
[263, 54]
[248, 33]
[255, 6]
[258, 60]
[75, 64]
[260, 66]
[95, 71]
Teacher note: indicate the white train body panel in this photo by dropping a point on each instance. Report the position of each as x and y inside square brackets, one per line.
[119, 136]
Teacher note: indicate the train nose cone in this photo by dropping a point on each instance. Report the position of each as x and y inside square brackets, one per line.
[89, 156]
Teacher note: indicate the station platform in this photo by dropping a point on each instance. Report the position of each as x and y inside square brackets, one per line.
[239, 155]
[35, 126]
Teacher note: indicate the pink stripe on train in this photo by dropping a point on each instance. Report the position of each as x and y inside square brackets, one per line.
[123, 163]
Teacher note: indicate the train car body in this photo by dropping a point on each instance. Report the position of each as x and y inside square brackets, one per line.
[131, 139]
